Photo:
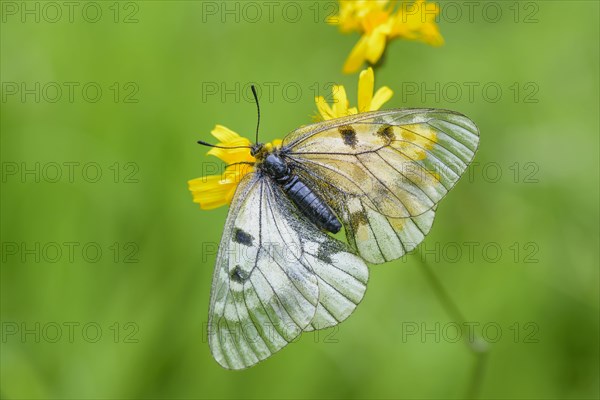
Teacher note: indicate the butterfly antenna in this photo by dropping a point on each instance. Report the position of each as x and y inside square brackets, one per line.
[257, 110]
[203, 143]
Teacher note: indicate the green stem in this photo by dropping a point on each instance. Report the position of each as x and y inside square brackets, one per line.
[476, 345]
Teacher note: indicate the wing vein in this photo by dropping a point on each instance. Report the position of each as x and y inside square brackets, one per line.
[283, 241]
[383, 184]
[407, 178]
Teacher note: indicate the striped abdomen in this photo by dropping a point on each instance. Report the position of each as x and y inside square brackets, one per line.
[311, 205]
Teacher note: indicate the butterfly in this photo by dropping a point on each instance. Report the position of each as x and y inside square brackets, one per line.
[279, 270]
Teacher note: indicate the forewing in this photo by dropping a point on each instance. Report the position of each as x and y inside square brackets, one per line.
[270, 281]
[384, 172]
[400, 162]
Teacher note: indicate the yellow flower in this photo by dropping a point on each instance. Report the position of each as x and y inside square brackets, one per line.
[217, 190]
[366, 100]
[378, 24]
[417, 22]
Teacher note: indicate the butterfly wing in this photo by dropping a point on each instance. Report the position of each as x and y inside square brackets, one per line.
[384, 172]
[276, 275]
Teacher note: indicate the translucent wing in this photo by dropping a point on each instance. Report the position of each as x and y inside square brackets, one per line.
[384, 172]
[276, 275]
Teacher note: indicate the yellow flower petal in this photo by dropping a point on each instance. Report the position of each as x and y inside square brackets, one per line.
[382, 96]
[375, 45]
[366, 100]
[431, 35]
[211, 191]
[366, 82]
[340, 101]
[226, 135]
[324, 110]
[230, 156]
[376, 20]
[413, 26]
[357, 56]
[228, 138]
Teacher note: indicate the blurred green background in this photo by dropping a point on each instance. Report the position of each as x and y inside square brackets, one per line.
[130, 322]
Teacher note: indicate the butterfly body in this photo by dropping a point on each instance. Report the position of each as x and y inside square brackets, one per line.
[308, 202]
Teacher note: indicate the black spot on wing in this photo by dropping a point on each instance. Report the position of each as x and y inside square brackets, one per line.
[327, 249]
[357, 219]
[348, 135]
[238, 275]
[324, 254]
[241, 237]
[386, 133]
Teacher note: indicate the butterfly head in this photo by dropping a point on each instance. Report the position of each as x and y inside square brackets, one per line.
[261, 150]
[269, 160]
[256, 149]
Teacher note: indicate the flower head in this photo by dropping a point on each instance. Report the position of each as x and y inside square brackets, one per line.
[378, 23]
[217, 190]
[367, 101]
